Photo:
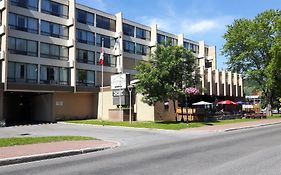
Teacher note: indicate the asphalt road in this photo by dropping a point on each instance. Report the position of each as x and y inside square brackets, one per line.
[142, 151]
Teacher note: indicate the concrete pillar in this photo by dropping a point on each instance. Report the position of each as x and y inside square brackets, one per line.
[201, 54]
[213, 53]
[224, 84]
[210, 80]
[72, 38]
[235, 83]
[217, 81]
[153, 35]
[180, 39]
[119, 39]
[4, 43]
[240, 82]
[229, 82]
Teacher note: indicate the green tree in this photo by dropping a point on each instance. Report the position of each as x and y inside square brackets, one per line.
[166, 73]
[253, 49]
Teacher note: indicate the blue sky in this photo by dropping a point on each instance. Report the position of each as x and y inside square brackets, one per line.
[197, 19]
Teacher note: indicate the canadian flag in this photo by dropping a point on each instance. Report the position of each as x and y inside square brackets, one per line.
[101, 57]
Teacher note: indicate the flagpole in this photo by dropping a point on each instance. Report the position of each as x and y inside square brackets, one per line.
[102, 45]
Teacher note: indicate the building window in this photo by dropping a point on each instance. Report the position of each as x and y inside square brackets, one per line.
[186, 45]
[129, 46]
[190, 46]
[161, 39]
[54, 75]
[85, 56]
[173, 41]
[208, 64]
[22, 72]
[108, 60]
[206, 51]
[29, 4]
[105, 23]
[85, 37]
[54, 8]
[85, 78]
[53, 51]
[85, 17]
[128, 30]
[141, 49]
[23, 23]
[54, 30]
[22, 47]
[108, 42]
[143, 34]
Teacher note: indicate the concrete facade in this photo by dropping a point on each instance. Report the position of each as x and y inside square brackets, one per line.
[50, 53]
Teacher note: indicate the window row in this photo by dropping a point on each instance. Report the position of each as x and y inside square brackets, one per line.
[85, 17]
[193, 47]
[161, 39]
[47, 6]
[28, 24]
[28, 73]
[29, 47]
[101, 21]
[88, 57]
[85, 78]
[133, 31]
[23, 23]
[87, 37]
[133, 48]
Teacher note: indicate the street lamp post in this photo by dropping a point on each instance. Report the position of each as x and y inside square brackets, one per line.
[185, 95]
[130, 89]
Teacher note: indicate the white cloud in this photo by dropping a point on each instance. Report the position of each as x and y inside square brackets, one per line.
[194, 26]
[199, 26]
[162, 24]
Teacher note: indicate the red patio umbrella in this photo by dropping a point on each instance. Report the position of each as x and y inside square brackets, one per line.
[227, 102]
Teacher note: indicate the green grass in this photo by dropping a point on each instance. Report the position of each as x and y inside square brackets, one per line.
[157, 125]
[12, 141]
[171, 125]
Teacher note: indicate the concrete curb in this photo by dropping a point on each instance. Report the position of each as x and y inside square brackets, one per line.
[36, 157]
[249, 127]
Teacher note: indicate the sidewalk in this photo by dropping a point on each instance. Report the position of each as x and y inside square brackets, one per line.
[235, 126]
[33, 152]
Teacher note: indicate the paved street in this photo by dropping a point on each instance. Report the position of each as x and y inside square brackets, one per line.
[144, 151]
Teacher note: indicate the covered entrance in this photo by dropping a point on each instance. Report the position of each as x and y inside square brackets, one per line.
[27, 108]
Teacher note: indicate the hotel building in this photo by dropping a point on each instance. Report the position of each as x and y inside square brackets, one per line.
[50, 59]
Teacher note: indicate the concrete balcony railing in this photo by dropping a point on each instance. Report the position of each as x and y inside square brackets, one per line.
[3, 4]
[2, 30]
[2, 55]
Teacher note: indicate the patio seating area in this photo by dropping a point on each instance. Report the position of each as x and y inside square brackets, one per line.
[223, 110]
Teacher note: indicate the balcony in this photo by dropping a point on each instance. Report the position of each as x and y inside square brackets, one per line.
[2, 30]
[2, 55]
[70, 22]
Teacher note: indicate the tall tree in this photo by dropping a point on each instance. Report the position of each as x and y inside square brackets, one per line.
[166, 73]
[253, 49]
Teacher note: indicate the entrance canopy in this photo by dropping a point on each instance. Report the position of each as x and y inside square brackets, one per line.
[201, 103]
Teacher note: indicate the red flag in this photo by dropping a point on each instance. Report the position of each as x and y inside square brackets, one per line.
[101, 57]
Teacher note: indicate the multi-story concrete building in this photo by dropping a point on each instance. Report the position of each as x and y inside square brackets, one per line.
[50, 58]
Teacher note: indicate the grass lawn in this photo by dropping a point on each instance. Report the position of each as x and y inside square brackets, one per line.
[12, 141]
[172, 125]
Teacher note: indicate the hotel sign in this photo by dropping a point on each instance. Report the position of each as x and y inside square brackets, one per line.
[118, 81]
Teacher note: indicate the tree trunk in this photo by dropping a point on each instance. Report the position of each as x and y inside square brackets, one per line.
[268, 110]
[269, 103]
[175, 109]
